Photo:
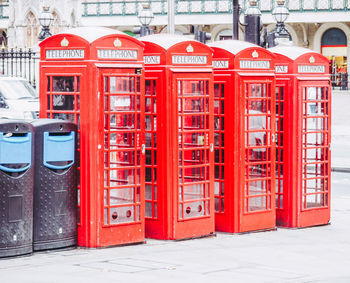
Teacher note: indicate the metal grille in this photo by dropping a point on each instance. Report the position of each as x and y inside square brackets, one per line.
[20, 63]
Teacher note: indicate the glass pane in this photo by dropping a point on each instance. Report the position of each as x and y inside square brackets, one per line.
[148, 194]
[122, 103]
[122, 121]
[193, 88]
[121, 159]
[63, 83]
[122, 84]
[121, 196]
[148, 209]
[192, 192]
[257, 139]
[122, 177]
[193, 105]
[257, 187]
[121, 140]
[64, 116]
[121, 214]
[63, 102]
[257, 203]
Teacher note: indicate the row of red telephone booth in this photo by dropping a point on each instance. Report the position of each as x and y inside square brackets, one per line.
[179, 139]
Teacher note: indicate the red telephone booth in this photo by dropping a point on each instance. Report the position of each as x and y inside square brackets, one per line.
[303, 111]
[179, 137]
[244, 122]
[94, 77]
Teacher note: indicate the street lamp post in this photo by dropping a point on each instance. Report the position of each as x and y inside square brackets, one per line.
[280, 33]
[235, 13]
[145, 17]
[253, 24]
[45, 20]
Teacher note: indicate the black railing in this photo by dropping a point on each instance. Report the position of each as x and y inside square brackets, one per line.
[19, 63]
[340, 81]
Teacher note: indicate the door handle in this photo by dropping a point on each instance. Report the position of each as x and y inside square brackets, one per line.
[143, 148]
[211, 147]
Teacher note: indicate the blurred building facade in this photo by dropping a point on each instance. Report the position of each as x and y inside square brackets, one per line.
[321, 25]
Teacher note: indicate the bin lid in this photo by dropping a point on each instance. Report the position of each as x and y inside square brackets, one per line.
[232, 46]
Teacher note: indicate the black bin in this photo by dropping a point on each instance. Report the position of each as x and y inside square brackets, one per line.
[16, 188]
[55, 185]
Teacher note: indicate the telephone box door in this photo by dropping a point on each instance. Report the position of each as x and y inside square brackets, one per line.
[194, 206]
[223, 139]
[315, 121]
[258, 152]
[282, 196]
[121, 105]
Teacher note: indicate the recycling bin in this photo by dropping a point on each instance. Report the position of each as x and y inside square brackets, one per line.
[55, 185]
[16, 188]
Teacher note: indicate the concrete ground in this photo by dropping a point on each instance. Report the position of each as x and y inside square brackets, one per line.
[318, 254]
[341, 129]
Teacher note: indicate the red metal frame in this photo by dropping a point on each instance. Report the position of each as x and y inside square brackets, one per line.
[304, 137]
[179, 134]
[95, 77]
[244, 115]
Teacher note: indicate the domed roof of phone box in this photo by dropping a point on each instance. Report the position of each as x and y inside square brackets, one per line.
[289, 51]
[165, 40]
[233, 46]
[90, 34]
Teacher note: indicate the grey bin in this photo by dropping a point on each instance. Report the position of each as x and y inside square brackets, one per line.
[55, 184]
[16, 188]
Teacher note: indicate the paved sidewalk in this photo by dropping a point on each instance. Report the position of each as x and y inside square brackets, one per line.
[341, 130]
[318, 254]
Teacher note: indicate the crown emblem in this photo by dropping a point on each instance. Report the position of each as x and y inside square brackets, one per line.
[117, 43]
[189, 48]
[64, 42]
[312, 59]
[255, 54]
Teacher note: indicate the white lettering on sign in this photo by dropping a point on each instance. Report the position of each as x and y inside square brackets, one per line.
[218, 64]
[65, 54]
[281, 69]
[188, 59]
[311, 69]
[117, 54]
[152, 59]
[248, 64]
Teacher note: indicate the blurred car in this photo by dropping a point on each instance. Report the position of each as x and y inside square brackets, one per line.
[18, 99]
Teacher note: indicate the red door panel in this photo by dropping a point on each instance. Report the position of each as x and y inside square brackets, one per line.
[315, 183]
[193, 127]
[122, 159]
[258, 151]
